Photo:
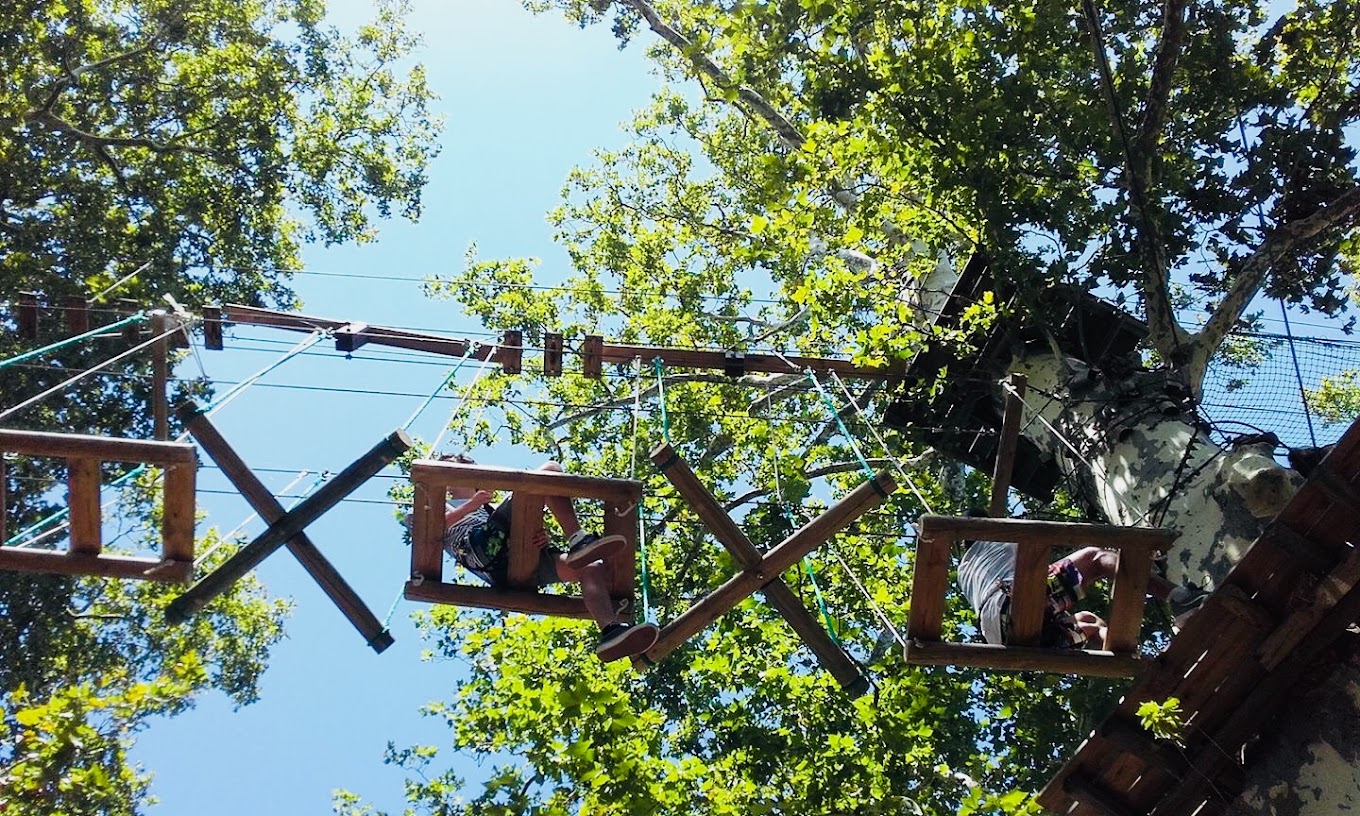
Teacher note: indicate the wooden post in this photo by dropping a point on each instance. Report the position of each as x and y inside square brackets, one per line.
[4, 498]
[777, 593]
[526, 520]
[132, 332]
[552, 354]
[289, 525]
[427, 531]
[1005, 449]
[83, 480]
[511, 351]
[1131, 577]
[930, 580]
[1029, 593]
[177, 512]
[264, 503]
[27, 317]
[212, 328]
[622, 519]
[781, 557]
[75, 311]
[160, 375]
[592, 348]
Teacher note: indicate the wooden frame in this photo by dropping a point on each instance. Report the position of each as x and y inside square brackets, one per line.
[1034, 542]
[84, 456]
[433, 478]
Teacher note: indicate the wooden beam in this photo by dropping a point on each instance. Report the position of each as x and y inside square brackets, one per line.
[1340, 490]
[289, 525]
[511, 600]
[552, 354]
[4, 498]
[103, 448]
[777, 593]
[178, 512]
[1024, 658]
[1092, 794]
[784, 555]
[75, 312]
[1314, 557]
[1029, 593]
[27, 316]
[930, 581]
[526, 521]
[377, 335]
[622, 519]
[510, 353]
[350, 337]
[1054, 533]
[160, 378]
[1326, 595]
[542, 482]
[1005, 451]
[24, 559]
[263, 502]
[212, 328]
[83, 480]
[768, 363]
[1127, 598]
[591, 356]
[427, 532]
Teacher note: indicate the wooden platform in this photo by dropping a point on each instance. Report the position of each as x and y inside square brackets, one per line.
[1234, 663]
[433, 478]
[84, 456]
[1034, 542]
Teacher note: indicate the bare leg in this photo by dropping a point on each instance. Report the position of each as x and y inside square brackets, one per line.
[1095, 564]
[1092, 628]
[594, 581]
[561, 506]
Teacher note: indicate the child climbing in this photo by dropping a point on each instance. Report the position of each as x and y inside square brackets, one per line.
[478, 538]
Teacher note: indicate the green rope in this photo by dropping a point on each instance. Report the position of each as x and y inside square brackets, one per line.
[647, 614]
[435, 393]
[392, 610]
[70, 341]
[827, 618]
[836, 415]
[661, 398]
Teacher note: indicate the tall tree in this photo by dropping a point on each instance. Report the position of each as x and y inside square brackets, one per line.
[855, 155]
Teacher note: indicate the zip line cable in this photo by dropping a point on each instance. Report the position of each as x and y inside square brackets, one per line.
[102, 331]
[828, 621]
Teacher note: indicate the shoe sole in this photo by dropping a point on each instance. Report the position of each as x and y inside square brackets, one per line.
[636, 640]
[597, 550]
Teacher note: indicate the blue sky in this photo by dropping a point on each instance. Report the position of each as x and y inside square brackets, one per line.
[525, 98]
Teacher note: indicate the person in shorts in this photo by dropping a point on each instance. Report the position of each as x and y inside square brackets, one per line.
[479, 538]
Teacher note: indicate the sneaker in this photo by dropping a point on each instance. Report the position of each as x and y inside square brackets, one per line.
[1185, 599]
[591, 548]
[619, 640]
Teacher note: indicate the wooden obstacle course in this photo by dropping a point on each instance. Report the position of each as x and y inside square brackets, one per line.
[1034, 541]
[433, 478]
[84, 456]
[831, 656]
[1236, 661]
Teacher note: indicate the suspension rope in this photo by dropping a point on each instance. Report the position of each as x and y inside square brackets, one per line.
[235, 391]
[645, 578]
[140, 317]
[836, 415]
[828, 621]
[897, 465]
[467, 392]
[320, 479]
[661, 398]
[438, 389]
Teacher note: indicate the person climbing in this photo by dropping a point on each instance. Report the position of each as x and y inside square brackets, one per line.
[988, 568]
[477, 538]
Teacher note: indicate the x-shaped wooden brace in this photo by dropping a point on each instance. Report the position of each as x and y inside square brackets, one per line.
[760, 571]
[286, 527]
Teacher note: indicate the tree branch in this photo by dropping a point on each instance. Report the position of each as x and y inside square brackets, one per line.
[97, 142]
[1283, 242]
[1164, 63]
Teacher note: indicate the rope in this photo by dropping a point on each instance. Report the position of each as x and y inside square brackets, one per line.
[439, 388]
[827, 619]
[661, 398]
[1298, 376]
[321, 478]
[129, 276]
[392, 609]
[897, 465]
[462, 401]
[836, 415]
[70, 341]
[8, 412]
[645, 577]
[235, 391]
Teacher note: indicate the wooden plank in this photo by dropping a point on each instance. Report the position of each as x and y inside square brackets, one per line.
[930, 581]
[510, 353]
[350, 337]
[1127, 599]
[1056, 533]
[509, 600]
[542, 482]
[103, 448]
[622, 519]
[831, 656]
[552, 354]
[427, 531]
[293, 522]
[1090, 792]
[766, 363]
[1088, 662]
[1326, 595]
[178, 512]
[83, 480]
[378, 335]
[1314, 557]
[212, 328]
[526, 521]
[803, 541]
[160, 377]
[591, 356]
[1029, 593]
[4, 499]
[25, 559]
[75, 312]
[27, 316]
[1010, 439]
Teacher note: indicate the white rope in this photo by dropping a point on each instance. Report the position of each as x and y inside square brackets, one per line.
[236, 390]
[129, 276]
[463, 401]
[897, 465]
[882, 616]
[229, 536]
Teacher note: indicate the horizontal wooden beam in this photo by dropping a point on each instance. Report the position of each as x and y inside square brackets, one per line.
[351, 335]
[510, 600]
[763, 363]
[23, 559]
[103, 448]
[1023, 658]
[1049, 533]
[541, 482]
